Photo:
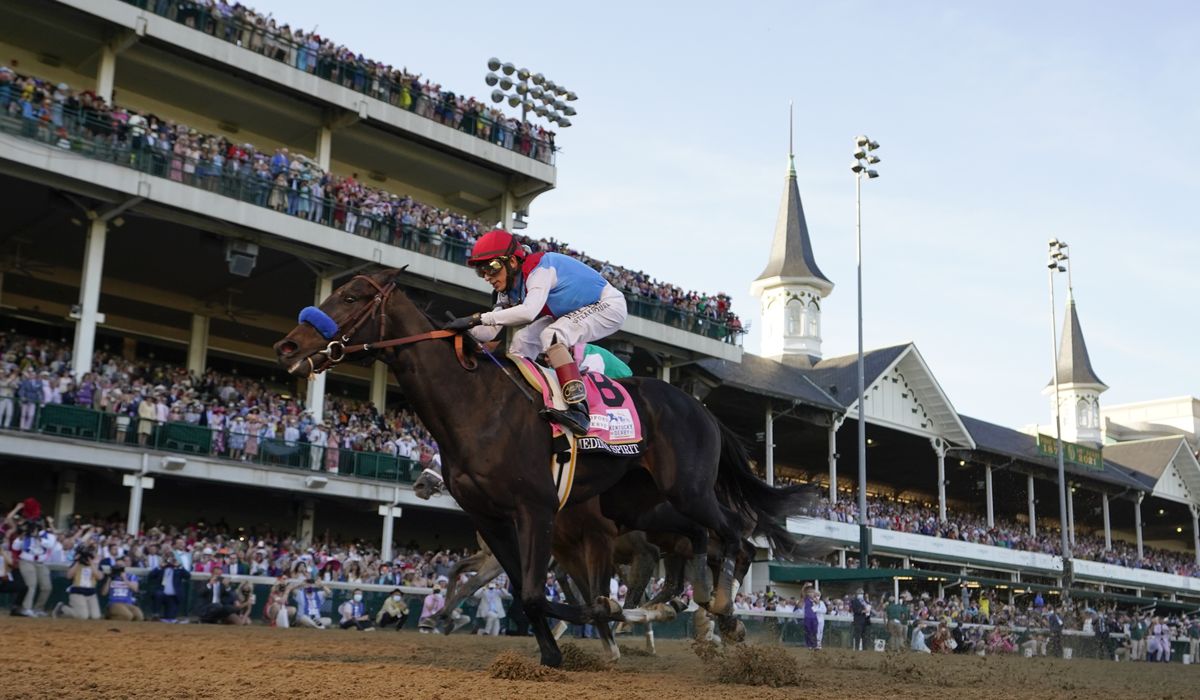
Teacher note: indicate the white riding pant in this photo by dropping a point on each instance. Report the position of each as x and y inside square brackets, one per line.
[584, 325]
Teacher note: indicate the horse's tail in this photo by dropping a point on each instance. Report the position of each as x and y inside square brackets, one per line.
[766, 506]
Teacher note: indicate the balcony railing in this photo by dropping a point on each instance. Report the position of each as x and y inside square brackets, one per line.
[226, 443]
[366, 77]
[82, 135]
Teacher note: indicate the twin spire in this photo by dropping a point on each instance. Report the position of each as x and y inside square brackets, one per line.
[791, 251]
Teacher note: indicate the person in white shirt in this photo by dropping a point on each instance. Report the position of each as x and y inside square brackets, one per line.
[491, 608]
[821, 609]
[317, 437]
[33, 549]
[354, 613]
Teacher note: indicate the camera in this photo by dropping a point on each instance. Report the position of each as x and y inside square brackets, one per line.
[118, 571]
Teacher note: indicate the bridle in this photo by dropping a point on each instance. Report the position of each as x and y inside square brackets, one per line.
[337, 350]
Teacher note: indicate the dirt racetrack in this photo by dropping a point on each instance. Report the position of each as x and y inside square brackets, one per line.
[72, 659]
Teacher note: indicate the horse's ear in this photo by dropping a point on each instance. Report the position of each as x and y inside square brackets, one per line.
[395, 275]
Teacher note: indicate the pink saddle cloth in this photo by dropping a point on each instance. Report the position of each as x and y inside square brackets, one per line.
[615, 425]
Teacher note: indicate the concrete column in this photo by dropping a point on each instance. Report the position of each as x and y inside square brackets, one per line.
[315, 398]
[306, 521]
[939, 448]
[508, 207]
[197, 357]
[1137, 522]
[106, 73]
[1071, 514]
[89, 298]
[664, 371]
[1196, 532]
[769, 445]
[324, 146]
[389, 513]
[1032, 509]
[64, 498]
[138, 484]
[991, 507]
[833, 459]
[842, 558]
[379, 379]
[1107, 522]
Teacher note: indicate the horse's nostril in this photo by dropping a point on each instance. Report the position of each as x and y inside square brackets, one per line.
[287, 347]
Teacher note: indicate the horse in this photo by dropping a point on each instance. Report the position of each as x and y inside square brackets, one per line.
[496, 450]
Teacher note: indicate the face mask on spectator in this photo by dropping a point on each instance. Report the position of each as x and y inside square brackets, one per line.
[358, 597]
[397, 598]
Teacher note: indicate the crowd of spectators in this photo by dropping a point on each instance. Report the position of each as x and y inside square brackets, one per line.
[106, 552]
[310, 52]
[981, 622]
[246, 416]
[295, 184]
[922, 519]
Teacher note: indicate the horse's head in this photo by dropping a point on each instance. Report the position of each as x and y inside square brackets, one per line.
[356, 313]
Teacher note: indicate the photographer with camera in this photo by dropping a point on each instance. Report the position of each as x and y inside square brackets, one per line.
[167, 584]
[220, 606]
[85, 576]
[309, 601]
[32, 547]
[121, 588]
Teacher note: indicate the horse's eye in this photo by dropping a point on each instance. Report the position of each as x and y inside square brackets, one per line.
[349, 299]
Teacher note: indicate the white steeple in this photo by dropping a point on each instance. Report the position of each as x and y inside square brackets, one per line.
[1079, 388]
[792, 287]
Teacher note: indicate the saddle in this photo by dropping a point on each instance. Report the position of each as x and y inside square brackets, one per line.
[615, 428]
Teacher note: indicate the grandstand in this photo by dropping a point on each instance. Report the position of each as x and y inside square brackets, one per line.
[154, 232]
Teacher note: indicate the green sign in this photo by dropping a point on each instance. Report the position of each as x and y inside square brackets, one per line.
[1075, 454]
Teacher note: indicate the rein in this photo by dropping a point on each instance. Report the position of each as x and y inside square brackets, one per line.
[337, 350]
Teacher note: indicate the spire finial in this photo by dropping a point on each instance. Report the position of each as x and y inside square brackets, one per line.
[791, 156]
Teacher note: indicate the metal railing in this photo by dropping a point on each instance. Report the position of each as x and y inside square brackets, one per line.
[82, 134]
[367, 77]
[88, 424]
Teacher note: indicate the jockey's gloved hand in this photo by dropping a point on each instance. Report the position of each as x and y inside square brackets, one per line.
[463, 323]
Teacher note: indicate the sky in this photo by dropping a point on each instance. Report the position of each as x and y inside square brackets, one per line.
[1001, 125]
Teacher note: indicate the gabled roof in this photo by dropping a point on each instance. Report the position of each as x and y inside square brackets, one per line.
[791, 251]
[1000, 440]
[759, 375]
[1165, 460]
[1074, 364]
[838, 376]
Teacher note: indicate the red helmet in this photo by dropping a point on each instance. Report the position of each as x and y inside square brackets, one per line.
[496, 243]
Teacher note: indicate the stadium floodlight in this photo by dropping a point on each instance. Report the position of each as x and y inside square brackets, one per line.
[860, 170]
[528, 90]
[1057, 257]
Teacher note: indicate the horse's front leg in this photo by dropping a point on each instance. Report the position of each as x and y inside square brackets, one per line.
[535, 529]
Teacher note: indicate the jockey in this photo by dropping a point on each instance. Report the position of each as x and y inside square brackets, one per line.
[557, 300]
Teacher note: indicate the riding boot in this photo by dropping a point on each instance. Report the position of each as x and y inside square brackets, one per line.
[576, 417]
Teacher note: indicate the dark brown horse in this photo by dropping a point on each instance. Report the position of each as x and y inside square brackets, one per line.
[496, 451]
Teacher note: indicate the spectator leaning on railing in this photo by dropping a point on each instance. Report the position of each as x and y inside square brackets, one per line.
[295, 185]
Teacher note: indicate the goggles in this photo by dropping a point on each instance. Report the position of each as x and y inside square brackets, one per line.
[491, 267]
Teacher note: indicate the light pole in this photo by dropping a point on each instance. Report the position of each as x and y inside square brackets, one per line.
[1058, 263]
[863, 159]
[526, 95]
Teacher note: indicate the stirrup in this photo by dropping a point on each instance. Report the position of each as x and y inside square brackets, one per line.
[574, 418]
